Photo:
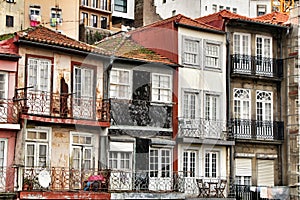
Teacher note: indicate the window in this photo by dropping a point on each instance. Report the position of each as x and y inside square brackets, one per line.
[211, 107]
[121, 6]
[243, 171]
[3, 85]
[85, 2]
[83, 82]
[84, 18]
[94, 21]
[173, 12]
[9, 21]
[261, 10]
[161, 88]
[211, 164]
[264, 55]
[221, 8]
[3, 153]
[164, 1]
[228, 8]
[39, 74]
[82, 148]
[103, 5]
[120, 84]
[104, 22]
[189, 163]
[191, 52]
[241, 103]
[265, 172]
[241, 43]
[212, 54]
[10, 1]
[160, 162]
[264, 106]
[190, 105]
[95, 3]
[234, 10]
[36, 148]
[120, 160]
[214, 8]
[56, 18]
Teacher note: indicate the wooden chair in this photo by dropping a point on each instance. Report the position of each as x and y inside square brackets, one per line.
[221, 188]
[203, 188]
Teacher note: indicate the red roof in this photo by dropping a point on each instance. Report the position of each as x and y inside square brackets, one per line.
[8, 47]
[45, 35]
[215, 19]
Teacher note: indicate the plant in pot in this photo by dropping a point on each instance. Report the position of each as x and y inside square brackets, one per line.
[28, 183]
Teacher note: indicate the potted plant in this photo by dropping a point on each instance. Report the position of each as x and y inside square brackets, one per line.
[28, 183]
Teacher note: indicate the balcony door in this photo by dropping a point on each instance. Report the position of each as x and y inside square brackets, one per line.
[3, 164]
[212, 126]
[242, 53]
[3, 96]
[264, 55]
[83, 100]
[38, 83]
[264, 114]
[241, 113]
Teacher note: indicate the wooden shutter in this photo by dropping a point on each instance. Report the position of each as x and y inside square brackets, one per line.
[265, 172]
[243, 167]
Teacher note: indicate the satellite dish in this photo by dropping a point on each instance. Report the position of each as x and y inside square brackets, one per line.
[44, 178]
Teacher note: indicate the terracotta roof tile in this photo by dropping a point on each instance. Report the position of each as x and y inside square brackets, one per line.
[121, 45]
[225, 14]
[45, 35]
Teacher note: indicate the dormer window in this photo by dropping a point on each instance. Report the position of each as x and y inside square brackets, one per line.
[35, 15]
[56, 18]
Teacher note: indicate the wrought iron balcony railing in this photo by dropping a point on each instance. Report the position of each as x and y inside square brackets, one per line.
[202, 128]
[253, 192]
[67, 106]
[257, 130]
[62, 179]
[9, 111]
[256, 66]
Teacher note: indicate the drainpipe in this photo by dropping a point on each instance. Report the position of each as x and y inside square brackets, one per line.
[228, 93]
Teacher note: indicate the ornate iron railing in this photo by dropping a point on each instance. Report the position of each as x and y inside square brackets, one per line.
[256, 66]
[202, 128]
[9, 111]
[257, 130]
[64, 106]
[254, 193]
[7, 178]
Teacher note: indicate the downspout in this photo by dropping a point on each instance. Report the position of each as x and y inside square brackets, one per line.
[229, 130]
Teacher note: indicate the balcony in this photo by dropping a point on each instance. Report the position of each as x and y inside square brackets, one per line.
[254, 66]
[9, 111]
[245, 129]
[253, 192]
[64, 106]
[202, 128]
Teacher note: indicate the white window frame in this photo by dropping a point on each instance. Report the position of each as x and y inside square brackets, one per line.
[119, 159]
[259, 9]
[243, 98]
[121, 6]
[264, 47]
[213, 54]
[36, 142]
[4, 83]
[94, 3]
[39, 84]
[119, 85]
[191, 55]
[4, 151]
[85, 2]
[34, 11]
[158, 88]
[156, 168]
[83, 147]
[239, 47]
[189, 163]
[208, 164]
[94, 21]
[214, 8]
[243, 171]
[190, 111]
[266, 99]
[56, 16]
[211, 111]
[86, 87]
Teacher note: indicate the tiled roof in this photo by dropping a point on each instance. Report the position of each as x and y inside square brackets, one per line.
[225, 14]
[180, 19]
[45, 35]
[274, 17]
[7, 47]
[121, 45]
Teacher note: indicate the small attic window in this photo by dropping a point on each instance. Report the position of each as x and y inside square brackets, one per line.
[261, 10]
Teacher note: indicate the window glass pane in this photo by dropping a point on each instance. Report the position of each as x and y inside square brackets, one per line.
[30, 155]
[42, 155]
[2, 153]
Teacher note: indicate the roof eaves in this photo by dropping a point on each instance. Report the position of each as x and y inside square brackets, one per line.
[200, 28]
[120, 58]
[261, 23]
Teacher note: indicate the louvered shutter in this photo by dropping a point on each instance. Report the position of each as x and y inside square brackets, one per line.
[243, 167]
[265, 172]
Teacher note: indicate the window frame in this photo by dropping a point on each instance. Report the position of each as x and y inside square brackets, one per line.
[157, 171]
[103, 19]
[242, 98]
[259, 7]
[206, 106]
[218, 57]
[117, 84]
[94, 21]
[9, 22]
[209, 165]
[10, 1]
[5, 152]
[5, 85]
[189, 163]
[119, 158]
[242, 50]
[121, 6]
[36, 142]
[263, 46]
[83, 92]
[85, 2]
[197, 54]
[187, 114]
[160, 88]
[264, 115]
